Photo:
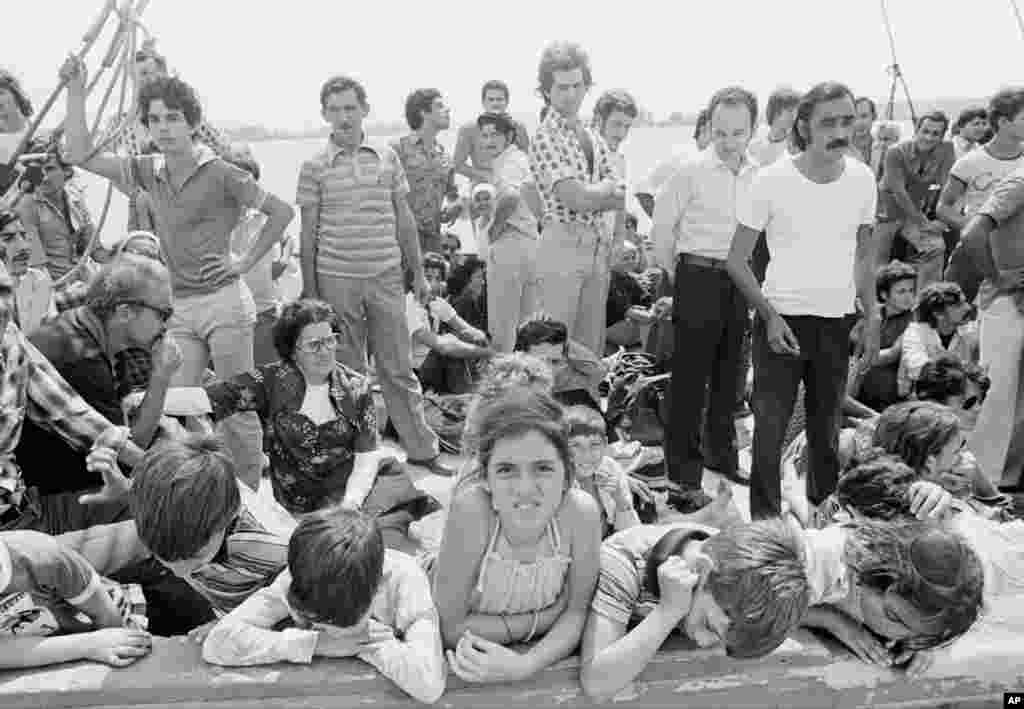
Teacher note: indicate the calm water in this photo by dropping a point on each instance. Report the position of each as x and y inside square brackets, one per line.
[280, 161]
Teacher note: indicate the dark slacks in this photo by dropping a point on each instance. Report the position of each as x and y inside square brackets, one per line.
[710, 319]
[822, 367]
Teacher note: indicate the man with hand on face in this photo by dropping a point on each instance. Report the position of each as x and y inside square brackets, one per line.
[694, 222]
[198, 200]
[817, 211]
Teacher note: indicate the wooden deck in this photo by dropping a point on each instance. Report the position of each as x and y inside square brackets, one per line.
[801, 674]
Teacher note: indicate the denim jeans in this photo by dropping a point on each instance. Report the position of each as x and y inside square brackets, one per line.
[822, 366]
[218, 327]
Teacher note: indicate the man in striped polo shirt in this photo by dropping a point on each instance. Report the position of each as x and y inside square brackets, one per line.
[357, 229]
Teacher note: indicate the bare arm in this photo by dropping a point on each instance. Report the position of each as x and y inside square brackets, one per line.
[22, 652]
[461, 158]
[611, 658]
[946, 210]
[408, 235]
[864, 270]
[601, 197]
[79, 140]
[895, 184]
[738, 266]
[279, 216]
[151, 410]
[976, 242]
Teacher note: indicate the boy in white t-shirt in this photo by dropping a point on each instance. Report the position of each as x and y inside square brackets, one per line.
[817, 211]
[444, 362]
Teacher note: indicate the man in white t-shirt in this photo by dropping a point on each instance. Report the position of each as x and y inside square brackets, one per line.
[817, 211]
[444, 362]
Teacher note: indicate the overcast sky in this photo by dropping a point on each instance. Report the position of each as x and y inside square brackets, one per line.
[253, 62]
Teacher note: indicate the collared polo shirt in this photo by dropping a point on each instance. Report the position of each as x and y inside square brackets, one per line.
[354, 193]
[56, 239]
[695, 211]
[922, 174]
[556, 154]
[195, 220]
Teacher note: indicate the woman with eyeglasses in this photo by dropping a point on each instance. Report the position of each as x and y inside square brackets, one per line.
[320, 424]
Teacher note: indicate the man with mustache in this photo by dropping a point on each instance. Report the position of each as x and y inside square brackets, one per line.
[33, 287]
[471, 159]
[817, 211]
[915, 171]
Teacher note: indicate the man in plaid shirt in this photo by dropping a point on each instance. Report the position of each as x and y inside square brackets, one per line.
[31, 388]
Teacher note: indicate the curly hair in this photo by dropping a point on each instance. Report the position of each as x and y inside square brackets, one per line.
[734, 96]
[340, 84]
[933, 570]
[294, 319]
[820, 93]
[947, 376]
[934, 298]
[561, 56]
[175, 94]
[127, 280]
[417, 103]
[781, 99]
[1007, 103]
[890, 274]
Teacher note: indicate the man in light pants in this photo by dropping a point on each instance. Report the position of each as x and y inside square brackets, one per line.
[578, 185]
[994, 240]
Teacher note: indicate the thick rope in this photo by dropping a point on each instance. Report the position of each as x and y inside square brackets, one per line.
[894, 69]
[1020, 20]
[88, 40]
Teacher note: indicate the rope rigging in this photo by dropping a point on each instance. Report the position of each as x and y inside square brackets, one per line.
[895, 71]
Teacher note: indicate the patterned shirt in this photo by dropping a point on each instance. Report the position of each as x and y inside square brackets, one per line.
[127, 136]
[430, 175]
[556, 154]
[31, 387]
[309, 464]
[354, 195]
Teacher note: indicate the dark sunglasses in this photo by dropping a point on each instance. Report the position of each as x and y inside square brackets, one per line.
[164, 314]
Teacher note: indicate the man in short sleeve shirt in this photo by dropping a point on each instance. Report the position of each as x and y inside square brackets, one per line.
[994, 240]
[357, 229]
[198, 200]
[817, 212]
[578, 184]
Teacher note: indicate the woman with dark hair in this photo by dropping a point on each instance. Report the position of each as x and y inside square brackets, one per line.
[969, 129]
[320, 424]
[519, 557]
[942, 327]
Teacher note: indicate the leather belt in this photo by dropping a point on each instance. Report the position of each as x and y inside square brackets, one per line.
[702, 261]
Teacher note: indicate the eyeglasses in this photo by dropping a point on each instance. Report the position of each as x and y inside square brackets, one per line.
[164, 314]
[323, 344]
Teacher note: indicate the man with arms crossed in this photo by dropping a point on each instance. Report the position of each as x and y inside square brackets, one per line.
[470, 158]
[817, 211]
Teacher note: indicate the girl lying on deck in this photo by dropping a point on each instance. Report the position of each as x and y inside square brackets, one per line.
[749, 586]
[519, 556]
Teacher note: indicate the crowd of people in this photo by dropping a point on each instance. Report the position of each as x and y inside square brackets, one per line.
[859, 296]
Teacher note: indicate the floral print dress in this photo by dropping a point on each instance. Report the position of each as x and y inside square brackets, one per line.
[309, 464]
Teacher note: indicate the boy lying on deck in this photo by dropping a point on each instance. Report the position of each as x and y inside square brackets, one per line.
[749, 586]
[345, 595]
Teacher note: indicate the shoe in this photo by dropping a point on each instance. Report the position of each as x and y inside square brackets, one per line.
[434, 466]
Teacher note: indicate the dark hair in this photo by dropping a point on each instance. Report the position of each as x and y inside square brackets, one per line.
[890, 274]
[435, 261]
[148, 52]
[452, 235]
[759, 580]
[128, 279]
[336, 560]
[947, 376]
[932, 569]
[175, 94]
[876, 486]
[294, 319]
[494, 85]
[339, 84]
[540, 330]
[463, 273]
[615, 100]
[781, 99]
[8, 82]
[516, 412]
[502, 123]
[698, 126]
[184, 493]
[935, 117]
[870, 102]
[1007, 103]
[419, 102]
[819, 93]
[561, 56]
[734, 96]
[915, 430]
[969, 114]
[936, 297]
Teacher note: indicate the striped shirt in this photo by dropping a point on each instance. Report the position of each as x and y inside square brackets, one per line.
[250, 559]
[354, 196]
